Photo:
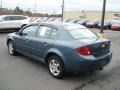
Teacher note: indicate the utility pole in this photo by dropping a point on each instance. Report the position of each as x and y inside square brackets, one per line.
[103, 16]
[29, 14]
[1, 10]
[35, 7]
[63, 4]
[101, 33]
[1, 4]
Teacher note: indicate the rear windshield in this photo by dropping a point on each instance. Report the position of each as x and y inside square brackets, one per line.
[82, 33]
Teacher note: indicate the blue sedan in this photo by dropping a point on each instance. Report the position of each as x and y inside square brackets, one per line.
[63, 47]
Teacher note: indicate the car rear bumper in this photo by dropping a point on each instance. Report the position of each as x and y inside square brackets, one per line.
[86, 65]
[93, 65]
[104, 27]
[115, 28]
[91, 26]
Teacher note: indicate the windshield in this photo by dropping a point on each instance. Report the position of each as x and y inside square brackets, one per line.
[82, 33]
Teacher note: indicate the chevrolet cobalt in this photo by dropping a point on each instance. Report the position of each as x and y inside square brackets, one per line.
[63, 47]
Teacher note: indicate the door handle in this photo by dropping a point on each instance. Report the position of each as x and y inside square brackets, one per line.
[45, 44]
[27, 40]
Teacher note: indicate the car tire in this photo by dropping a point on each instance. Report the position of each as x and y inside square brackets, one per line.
[56, 67]
[11, 48]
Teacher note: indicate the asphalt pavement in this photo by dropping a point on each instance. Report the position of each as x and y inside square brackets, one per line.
[22, 73]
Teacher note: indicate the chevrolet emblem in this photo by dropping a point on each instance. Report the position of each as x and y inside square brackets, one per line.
[103, 45]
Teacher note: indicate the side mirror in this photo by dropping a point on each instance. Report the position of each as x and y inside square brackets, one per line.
[21, 34]
[18, 32]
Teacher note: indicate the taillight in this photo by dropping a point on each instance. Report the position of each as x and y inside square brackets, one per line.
[84, 50]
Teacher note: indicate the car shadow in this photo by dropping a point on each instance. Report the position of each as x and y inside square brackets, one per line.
[69, 76]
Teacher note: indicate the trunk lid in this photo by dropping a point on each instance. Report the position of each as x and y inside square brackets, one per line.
[99, 46]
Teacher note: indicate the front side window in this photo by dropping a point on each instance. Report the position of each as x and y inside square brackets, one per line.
[30, 30]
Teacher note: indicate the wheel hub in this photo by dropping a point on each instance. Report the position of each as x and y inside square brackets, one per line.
[11, 48]
[54, 67]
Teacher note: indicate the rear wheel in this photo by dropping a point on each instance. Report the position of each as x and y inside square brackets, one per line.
[56, 67]
[11, 48]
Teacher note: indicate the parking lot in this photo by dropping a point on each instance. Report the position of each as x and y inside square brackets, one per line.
[22, 73]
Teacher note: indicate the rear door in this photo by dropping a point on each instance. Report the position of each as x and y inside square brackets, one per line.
[18, 20]
[11, 22]
[45, 39]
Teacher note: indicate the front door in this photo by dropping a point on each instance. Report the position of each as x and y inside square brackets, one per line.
[24, 40]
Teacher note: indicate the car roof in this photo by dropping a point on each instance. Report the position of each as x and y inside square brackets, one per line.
[60, 24]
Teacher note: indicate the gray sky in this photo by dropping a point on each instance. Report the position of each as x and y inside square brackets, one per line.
[54, 6]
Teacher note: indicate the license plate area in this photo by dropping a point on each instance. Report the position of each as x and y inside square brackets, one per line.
[101, 49]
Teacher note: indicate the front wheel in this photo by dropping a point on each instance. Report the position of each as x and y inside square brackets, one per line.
[11, 48]
[56, 67]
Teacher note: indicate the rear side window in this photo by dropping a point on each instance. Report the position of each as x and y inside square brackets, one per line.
[82, 33]
[19, 17]
[53, 34]
[11, 18]
[47, 32]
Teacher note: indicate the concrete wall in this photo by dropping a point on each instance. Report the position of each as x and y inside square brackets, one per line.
[88, 14]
